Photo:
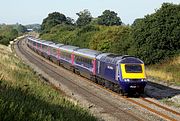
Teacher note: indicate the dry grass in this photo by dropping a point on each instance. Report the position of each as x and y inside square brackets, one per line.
[7, 62]
[159, 74]
[168, 71]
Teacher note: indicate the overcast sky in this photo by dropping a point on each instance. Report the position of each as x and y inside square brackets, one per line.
[34, 11]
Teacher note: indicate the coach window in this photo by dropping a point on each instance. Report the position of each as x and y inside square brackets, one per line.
[76, 58]
[46, 48]
[34, 43]
[38, 45]
[51, 49]
[42, 46]
[62, 54]
[65, 55]
[54, 51]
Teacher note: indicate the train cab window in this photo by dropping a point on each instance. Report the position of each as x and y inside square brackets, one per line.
[133, 68]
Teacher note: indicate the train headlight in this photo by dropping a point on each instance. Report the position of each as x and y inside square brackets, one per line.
[126, 80]
[143, 80]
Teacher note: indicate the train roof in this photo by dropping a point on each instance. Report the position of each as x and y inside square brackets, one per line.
[59, 44]
[114, 59]
[68, 48]
[101, 55]
[35, 40]
[54, 45]
[87, 52]
[32, 39]
[47, 43]
[105, 57]
[41, 41]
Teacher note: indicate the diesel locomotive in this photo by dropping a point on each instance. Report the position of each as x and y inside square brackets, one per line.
[118, 72]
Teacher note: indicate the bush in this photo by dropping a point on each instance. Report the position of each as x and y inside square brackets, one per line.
[4, 40]
[7, 34]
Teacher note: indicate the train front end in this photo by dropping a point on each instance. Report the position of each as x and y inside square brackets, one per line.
[132, 76]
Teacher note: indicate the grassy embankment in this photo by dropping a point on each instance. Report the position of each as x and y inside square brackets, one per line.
[168, 71]
[24, 97]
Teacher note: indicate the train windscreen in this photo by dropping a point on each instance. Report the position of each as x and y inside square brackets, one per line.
[133, 68]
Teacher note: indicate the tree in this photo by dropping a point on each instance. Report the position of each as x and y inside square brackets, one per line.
[21, 29]
[52, 20]
[156, 36]
[84, 18]
[7, 33]
[69, 21]
[109, 18]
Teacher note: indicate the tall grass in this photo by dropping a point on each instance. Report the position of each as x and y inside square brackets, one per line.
[24, 97]
[168, 71]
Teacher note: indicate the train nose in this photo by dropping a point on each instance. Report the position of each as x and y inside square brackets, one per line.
[133, 87]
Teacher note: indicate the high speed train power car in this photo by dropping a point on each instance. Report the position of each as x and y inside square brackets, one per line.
[120, 73]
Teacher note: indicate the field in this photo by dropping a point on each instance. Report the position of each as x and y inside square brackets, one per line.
[23, 96]
[168, 71]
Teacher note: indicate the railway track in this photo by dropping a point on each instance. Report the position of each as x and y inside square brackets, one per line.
[94, 98]
[171, 114]
[110, 107]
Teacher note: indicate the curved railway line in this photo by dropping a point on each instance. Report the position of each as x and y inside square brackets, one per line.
[111, 108]
[50, 69]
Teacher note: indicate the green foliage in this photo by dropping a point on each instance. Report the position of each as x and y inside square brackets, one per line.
[34, 27]
[109, 18]
[72, 35]
[156, 36]
[7, 34]
[107, 39]
[70, 21]
[111, 39]
[21, 29]
[52, 20]
[84, 18]
[4, 40]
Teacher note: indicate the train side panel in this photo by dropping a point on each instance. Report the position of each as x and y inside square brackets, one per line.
[84, 66]
[106, 71]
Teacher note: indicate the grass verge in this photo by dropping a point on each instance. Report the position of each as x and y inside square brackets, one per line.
[168, 71]
[169, 102]
[24, 97]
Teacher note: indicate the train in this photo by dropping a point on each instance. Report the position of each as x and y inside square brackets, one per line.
[120, 73]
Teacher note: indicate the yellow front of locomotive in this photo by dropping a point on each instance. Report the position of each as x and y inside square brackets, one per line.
[132, 77]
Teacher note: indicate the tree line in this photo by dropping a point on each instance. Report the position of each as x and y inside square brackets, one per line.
[10, 32]
[108, 18]
[152, 38]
